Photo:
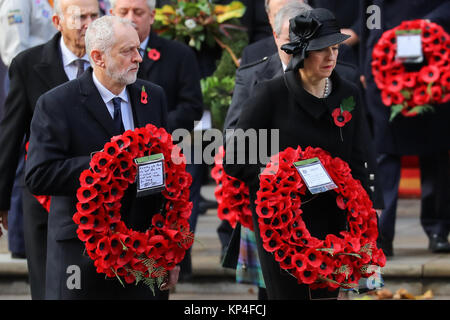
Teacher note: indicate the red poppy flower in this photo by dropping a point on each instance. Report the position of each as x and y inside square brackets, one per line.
[436, 93]
[84, 234]
[326, 267]
[445, 80]
[395, 83]
[124, 257]
[103, 247]
[158, 221]
[299, 261]
[308, 276]
[88, 178]
[144, 96]
[421, 96]
[114, 194]
[341, 118]
[116, 245]
[86, 194]
[429, 74]
[409, 79]
[274, 242]
[84, 221]
[313, 257]
[138, 242]
[153, 54]
[156, 246]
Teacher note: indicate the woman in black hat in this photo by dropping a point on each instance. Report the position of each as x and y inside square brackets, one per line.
[300, 104]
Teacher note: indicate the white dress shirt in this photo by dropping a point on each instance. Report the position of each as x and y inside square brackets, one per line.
[125, 106]
[69, 59]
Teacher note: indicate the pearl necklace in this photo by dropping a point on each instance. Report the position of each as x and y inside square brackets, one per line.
[326, 89]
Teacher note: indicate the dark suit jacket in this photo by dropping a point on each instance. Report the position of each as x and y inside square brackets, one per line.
[32, 73]
[178, 74]
[247, 77]
[70, 122]
[424, 134]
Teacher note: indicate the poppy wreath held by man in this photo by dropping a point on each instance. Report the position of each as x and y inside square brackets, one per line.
[121, 252]
[232, 195]
[336, 261]
[407, 90]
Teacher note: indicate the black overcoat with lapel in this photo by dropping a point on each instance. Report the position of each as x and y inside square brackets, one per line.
[424, 134]
[70, 122]
[31, 73]
[177, 72]
[302, 120]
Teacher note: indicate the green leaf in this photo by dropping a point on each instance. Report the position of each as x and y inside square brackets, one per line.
[348, 104]
[406, 94]
[395, 110]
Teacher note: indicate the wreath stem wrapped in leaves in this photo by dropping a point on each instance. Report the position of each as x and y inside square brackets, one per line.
[336, 261]
[121, 252]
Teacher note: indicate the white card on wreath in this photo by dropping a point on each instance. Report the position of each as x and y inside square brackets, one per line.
[150, 174]
[409, 46]
[314, 175]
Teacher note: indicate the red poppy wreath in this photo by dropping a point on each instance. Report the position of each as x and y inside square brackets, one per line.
[118, 251]
[413, 92]
[232, 195]
[336, 261]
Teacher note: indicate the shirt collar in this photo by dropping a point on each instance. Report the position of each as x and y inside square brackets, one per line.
[68, 56]
[144, 43]
[107, 95]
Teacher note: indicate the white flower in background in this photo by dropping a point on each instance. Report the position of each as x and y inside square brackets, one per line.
[190, 23]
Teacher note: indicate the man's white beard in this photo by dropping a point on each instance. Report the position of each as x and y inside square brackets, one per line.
[124, 78]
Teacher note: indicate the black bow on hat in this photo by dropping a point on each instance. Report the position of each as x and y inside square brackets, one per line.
[301, 30]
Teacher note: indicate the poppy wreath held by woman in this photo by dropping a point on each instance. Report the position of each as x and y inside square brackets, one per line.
[232, 195]
[121, 252]
[336, 261]
[407, 91]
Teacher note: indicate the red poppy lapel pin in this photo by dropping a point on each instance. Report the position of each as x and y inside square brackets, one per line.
[144, 96]
[153, 54]
[342, 115]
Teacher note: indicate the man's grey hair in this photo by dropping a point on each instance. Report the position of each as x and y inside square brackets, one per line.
[287, 12]
[100, 34]
[57, 8]
[266, 4]
[150, 3]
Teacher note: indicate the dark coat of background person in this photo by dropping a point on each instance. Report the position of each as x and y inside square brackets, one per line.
[302, 120]
[177, 72]
[347, 16]
[425, 135]
[418, 135]
[70, 122]
[32, 73]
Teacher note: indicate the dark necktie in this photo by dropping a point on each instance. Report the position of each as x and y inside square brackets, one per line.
[118, 124]
[80, 67]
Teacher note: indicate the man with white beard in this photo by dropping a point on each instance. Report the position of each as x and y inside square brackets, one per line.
[71, 122]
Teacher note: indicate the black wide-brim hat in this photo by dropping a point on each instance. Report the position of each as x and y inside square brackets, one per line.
[314, 29]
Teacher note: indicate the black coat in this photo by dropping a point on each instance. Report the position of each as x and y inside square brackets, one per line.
[177, 72]
[32, 73]
[302, 120]
[70, 122]
[248, 76]
[424, 134]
